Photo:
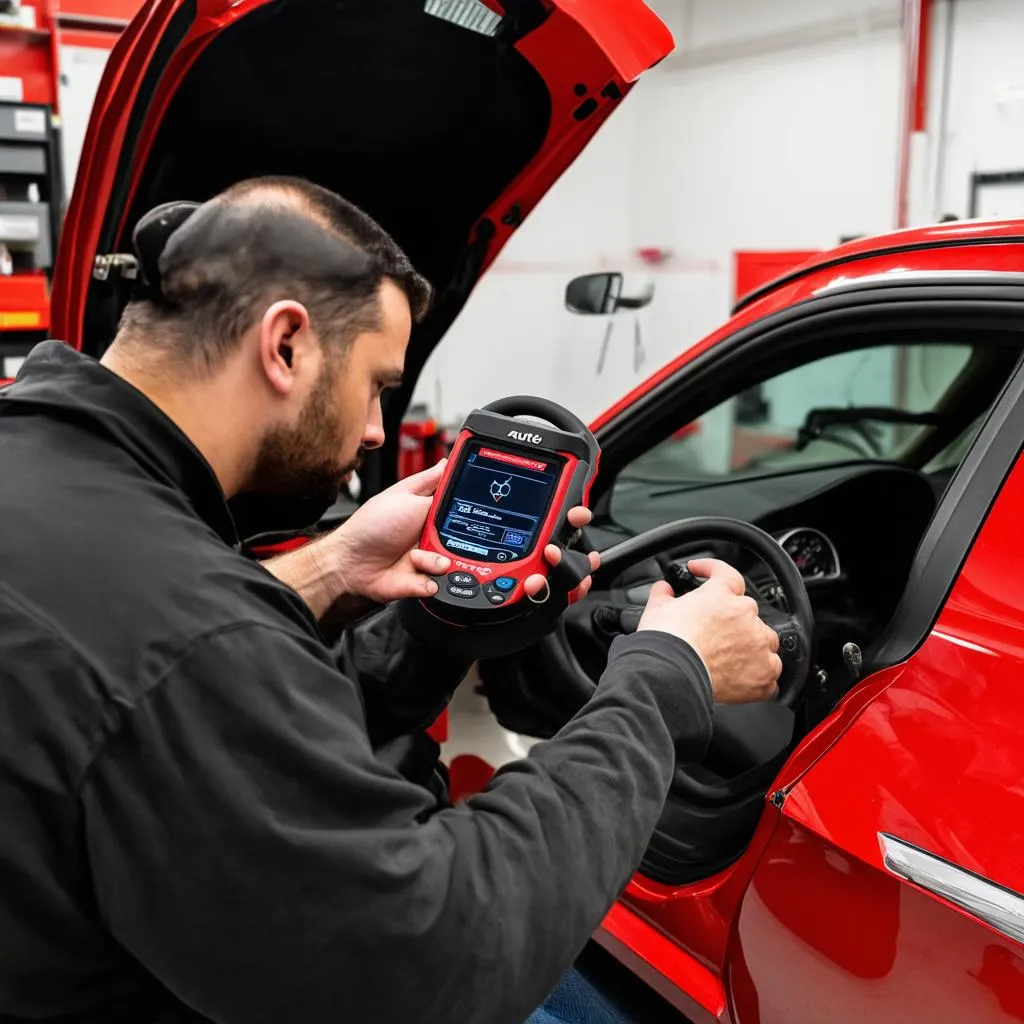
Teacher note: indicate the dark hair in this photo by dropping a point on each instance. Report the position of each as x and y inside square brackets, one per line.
[267, 239]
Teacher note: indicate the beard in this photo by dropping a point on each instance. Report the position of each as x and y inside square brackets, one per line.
[301, 463]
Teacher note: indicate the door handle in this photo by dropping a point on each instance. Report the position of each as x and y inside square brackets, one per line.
[994, 904]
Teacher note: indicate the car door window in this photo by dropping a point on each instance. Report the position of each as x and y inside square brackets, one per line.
[868, 404]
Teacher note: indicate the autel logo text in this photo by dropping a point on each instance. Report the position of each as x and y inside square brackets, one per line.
[522, 436]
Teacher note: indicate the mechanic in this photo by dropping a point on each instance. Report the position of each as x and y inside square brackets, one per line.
[209, 811]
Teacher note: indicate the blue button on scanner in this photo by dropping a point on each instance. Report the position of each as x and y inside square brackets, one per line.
[505, 582]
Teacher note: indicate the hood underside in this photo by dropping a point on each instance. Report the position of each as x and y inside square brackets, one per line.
[420, 122]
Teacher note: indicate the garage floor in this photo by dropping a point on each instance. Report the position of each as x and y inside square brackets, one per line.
[473, 730]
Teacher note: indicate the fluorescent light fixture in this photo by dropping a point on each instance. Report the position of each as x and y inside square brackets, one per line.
[471, 14]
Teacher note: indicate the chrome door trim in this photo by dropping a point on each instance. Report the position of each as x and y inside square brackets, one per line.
[841, 283]
[995, 905]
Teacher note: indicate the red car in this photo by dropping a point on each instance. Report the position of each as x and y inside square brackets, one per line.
[847, 852]
[852, 851]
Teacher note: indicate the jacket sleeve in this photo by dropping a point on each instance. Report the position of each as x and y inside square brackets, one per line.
[251, 853]
[404, 685]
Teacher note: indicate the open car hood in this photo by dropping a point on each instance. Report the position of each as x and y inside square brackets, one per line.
[447, 135]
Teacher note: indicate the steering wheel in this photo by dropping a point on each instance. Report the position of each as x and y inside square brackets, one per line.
[795, 626]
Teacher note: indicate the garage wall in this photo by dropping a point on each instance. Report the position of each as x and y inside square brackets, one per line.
[983, 127]
[776, 127]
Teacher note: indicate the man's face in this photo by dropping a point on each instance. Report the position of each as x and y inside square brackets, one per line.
[342, 416]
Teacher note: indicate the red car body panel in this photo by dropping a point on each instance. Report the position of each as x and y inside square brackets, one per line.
[611, 42]
[936, 760]
[856, 944]
[700, 919]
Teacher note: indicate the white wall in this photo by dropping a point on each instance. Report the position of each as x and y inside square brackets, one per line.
[775, 125]
[789, 145]
[750, 25]
[984, 124]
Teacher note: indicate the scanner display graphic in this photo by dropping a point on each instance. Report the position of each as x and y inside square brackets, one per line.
[497, 504]
[501, 488]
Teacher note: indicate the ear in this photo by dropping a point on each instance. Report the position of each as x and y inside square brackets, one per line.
[284, 338]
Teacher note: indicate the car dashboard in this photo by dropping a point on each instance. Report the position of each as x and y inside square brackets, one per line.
[851, 530]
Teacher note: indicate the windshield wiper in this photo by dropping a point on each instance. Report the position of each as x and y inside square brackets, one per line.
[817, 424]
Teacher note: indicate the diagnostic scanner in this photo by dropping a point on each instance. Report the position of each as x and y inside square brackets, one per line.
[505, 495]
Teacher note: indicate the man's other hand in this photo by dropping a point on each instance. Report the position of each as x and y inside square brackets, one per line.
[578, 518]
[739, 651]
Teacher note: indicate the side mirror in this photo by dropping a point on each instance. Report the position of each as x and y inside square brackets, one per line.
[593, 293]
[603, 294]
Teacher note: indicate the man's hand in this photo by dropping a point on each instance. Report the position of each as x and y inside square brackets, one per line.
[722, 625]
[533, 585]
[373, 555]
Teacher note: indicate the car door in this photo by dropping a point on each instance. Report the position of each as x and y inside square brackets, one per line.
[711, 946]
[891, 888]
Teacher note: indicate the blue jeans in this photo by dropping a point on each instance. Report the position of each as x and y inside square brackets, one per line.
[577, 1001]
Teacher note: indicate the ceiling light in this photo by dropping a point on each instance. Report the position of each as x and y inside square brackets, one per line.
[471, 14]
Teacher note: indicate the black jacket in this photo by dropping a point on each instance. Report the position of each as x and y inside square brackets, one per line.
[194, 823]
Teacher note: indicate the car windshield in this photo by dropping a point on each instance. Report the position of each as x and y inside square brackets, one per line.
[868, 404]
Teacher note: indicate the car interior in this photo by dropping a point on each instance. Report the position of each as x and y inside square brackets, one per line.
[838, 446]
